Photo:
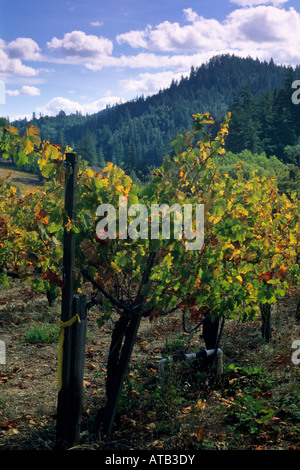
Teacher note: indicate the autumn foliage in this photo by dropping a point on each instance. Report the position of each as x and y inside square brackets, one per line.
[251, 239]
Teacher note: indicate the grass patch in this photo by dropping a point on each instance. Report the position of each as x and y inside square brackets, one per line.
[42, 334]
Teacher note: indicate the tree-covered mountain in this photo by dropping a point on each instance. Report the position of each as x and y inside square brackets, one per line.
[137, 134]
[268, 122]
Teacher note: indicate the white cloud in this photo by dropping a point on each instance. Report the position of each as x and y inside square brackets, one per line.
[96, 23]
[191, 15]
[252, 3]
[78, 44]
[24, 49]
[54, 106]
[12, 67]
[268, 30]
[26, 90]
[265, 31]
[146, 60]
[150, 83]
[134, 38]
[171, 37]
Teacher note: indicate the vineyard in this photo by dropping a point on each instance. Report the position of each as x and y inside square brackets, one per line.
[139, 290]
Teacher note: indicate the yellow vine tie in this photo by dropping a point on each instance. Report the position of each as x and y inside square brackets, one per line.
[61, 338]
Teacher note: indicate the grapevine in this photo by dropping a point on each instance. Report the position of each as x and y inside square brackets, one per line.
[251, 238]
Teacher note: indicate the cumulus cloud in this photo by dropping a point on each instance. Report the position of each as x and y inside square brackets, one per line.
[10, 66]
[191, 15]
[265, 30]
[79, 44]
[12, 56]
[134, 38]
[269, 30]
[150, 83]
[24, 49]
[26, 90]
[57, 104]
[172, 37]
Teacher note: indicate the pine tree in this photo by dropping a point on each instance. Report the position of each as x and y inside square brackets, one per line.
[87, 149]
[61, 139]
[266, 118]
[245, 125]
[284, 121]
[101, 160]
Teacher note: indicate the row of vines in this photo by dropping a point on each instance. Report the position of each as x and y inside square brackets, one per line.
[251, 231]
[251, 238]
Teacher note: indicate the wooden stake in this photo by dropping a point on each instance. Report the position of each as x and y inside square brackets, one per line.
[70, 393]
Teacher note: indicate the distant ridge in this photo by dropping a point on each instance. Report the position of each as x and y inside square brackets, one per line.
[137, 134]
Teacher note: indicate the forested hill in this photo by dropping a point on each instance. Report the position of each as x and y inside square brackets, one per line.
[136, 135]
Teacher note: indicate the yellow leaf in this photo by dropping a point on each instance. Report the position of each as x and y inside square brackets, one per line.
[214, 219]
[89, 172]
[32, 130]
[201, 405]
[209, 119]
[12, 191]
[115, 267]
[13, 130]
[29, 147]
[68, 225]
[205, 155]
[239, 278]
[119, 187]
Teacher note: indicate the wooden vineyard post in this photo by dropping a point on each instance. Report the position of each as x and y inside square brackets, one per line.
[73, 323]
[210, 332]
[298, 312]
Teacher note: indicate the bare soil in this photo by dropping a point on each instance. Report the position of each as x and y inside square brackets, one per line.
[28, 380]
[24, 181]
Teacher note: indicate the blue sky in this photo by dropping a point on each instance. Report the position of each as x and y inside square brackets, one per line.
[81, 55]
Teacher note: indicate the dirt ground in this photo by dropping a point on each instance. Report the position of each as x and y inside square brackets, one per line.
[24, 181]
[28, 380]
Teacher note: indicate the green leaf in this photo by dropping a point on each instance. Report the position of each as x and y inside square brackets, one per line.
[21, 158]
[54, 227]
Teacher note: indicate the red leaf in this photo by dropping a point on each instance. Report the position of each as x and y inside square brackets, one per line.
[8, 424]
